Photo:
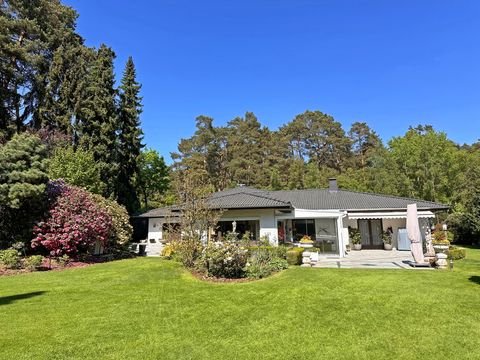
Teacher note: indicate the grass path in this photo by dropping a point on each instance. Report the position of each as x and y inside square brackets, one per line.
[146, 308]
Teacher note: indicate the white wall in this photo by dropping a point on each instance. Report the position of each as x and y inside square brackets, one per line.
[268, 226]
[266, 218]
[155, 228]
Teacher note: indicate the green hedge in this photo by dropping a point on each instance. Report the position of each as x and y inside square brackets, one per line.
[294, 256]
[274, 251]
[456, 253]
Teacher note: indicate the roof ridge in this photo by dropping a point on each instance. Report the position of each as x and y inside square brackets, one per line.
[366, 193]
[255, 195]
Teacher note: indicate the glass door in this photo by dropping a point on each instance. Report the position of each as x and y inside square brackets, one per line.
[371, 233]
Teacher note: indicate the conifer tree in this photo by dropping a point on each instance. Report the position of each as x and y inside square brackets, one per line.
[23, 179]
[129, 138]
[98, 117]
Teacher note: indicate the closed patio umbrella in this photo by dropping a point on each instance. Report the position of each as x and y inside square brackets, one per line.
[414, 235]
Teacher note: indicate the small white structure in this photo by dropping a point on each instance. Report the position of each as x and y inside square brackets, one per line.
[324, 215]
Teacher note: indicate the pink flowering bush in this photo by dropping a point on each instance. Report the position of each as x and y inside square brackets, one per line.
[75, 222]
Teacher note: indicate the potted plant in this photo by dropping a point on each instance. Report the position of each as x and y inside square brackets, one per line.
[387, 240]
[441, 238]
[355, 238]
[306, 242]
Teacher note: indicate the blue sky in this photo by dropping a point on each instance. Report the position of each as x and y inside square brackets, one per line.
[389, 63]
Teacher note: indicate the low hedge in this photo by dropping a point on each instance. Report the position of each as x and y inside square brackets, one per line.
[456, 253]
[294, 256]
[274, 251]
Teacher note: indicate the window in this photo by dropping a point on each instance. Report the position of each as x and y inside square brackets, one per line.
[302, 227]
[242, 226]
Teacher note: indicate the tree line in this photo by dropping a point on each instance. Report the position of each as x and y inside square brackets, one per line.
[53, 85]
[305, 152]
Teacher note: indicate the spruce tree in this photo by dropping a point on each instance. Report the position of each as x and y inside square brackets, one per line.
[98, 117]
[129, 138]
[23, 179]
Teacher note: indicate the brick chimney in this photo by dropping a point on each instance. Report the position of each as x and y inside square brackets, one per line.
[332, 184]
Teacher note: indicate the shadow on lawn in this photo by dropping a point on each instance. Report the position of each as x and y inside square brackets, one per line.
[6, 300]
[475, 279]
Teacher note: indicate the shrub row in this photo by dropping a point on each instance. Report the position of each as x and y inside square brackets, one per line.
[228, 259]
[10, 259]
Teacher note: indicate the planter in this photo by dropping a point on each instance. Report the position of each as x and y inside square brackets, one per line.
[357, 246]
[387, 246]
[440, 248]
[441, 261]
[306, 245]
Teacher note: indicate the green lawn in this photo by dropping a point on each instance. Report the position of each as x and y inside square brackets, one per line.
[147, 308]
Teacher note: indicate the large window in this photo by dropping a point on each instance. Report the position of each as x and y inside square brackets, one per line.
[242, 226]
[302, 227]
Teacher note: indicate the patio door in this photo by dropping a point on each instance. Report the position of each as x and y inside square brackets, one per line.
[371, 232]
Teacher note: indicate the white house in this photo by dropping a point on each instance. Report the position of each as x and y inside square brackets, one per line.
[325, 215]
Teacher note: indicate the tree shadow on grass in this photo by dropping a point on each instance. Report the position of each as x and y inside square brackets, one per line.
[6, 300]
[475, 279]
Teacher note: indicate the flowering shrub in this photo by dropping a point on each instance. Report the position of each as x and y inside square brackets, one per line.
[224, 259]
[121, 230]
[74, 222]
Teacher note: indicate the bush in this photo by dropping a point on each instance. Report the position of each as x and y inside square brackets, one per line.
[456, 253]
[121, 230]
[260, 267]
[294, 256]
[278, 264]
[187, 251]
[33, 262]
[63, 260]
[74, 222]
[167, 251]
[224, 259]
[275, 251]
[10, 258]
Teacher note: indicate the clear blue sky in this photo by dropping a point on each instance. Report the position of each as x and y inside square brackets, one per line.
[389, 63]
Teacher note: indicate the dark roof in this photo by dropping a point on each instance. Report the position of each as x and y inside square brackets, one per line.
[320, 199]
[244, 197]
[169, 211]
[351, 200]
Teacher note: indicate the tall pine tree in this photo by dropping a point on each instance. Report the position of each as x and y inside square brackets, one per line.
[129, 138]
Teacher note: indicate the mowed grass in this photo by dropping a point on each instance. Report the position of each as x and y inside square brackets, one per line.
[147, 308]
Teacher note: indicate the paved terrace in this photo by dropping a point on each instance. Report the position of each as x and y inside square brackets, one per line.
[369, 259]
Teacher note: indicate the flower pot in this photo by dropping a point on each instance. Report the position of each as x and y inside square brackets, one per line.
[387, 246]
[357, 246]
[440, 248]
[306, 245]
